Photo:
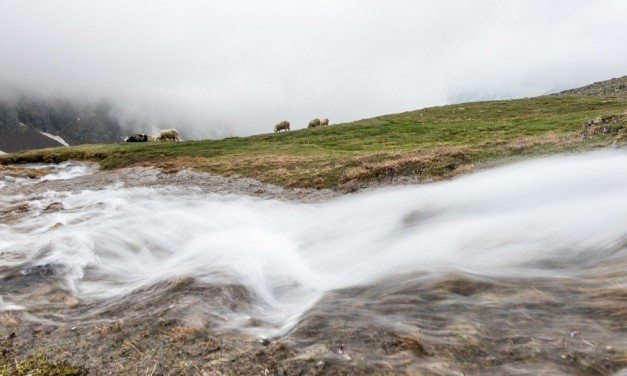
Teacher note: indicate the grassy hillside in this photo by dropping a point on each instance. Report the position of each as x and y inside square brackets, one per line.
[428, 144]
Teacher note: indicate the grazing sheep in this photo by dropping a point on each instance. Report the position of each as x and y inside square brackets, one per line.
[284, 125]
[314, 123]
[138, 137]
[168, 134]
[324, 121]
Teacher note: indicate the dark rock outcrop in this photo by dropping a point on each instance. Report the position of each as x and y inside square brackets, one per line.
[611, 125]
[614, 86]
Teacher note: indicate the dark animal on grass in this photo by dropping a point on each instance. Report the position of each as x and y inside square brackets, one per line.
[138, 137]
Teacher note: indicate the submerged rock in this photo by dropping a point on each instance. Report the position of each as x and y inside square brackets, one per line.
[54, 207]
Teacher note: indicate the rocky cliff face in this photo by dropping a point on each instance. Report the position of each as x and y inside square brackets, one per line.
[22, 119]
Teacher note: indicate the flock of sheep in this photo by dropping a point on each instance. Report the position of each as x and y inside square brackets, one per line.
[163, 135]
[174, 135]
[285, 125]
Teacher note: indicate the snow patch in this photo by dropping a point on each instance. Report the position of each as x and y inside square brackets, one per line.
[56, 138]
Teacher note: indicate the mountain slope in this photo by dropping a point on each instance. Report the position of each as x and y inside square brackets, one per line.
[22, 120]
[25, 138]
[614, 86]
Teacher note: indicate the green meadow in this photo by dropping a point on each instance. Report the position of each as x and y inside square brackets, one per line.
[425, 145]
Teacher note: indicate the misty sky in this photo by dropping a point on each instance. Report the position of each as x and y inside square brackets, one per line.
[220, 68]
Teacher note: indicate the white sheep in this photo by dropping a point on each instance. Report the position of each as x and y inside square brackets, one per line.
[314, 123]
[324, 121]
[168, 134]
[283, 125]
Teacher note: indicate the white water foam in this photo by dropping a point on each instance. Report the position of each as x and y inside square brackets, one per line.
[61, 171]
[569, 212]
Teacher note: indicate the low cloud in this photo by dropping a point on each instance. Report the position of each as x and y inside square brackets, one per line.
[216, 68]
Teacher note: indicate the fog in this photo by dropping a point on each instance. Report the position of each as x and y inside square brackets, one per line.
[215, 68]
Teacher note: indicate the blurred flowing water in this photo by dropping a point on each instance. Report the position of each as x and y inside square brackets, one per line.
[555, 217]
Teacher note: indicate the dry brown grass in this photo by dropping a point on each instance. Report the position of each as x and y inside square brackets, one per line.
[22, 208]
[548, 138]
[286, 170]
[405, 342]
[182, 282]
[532, 296]
[461, 285]
[109, 327]
[9, 319]
[613, 309]
[426, 163]
[610, 300]
[171, 166]
[614, 293]
[67, 299]
[22, 172]
[182, 332]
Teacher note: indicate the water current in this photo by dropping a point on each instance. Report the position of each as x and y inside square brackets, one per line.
[554, 217]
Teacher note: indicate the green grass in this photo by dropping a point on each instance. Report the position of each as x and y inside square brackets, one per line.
[39, 365]
[428, 144]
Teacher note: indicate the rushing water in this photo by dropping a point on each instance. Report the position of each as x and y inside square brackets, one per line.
[559, 216]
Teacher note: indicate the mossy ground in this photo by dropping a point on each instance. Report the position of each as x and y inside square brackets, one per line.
[429, 144]
[37, 364]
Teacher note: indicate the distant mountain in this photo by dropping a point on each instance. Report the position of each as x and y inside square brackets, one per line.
[477, 96]
[24, 137]
[614, 86]
[24, 121]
